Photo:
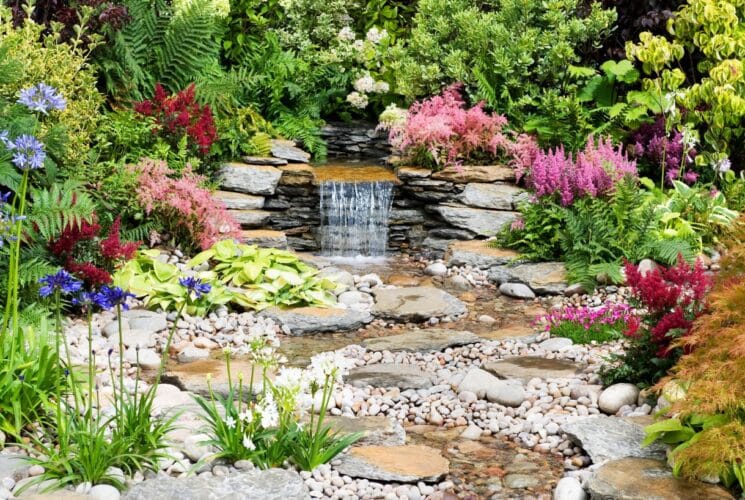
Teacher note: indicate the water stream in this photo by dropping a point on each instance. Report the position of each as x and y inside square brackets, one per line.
[354, 217]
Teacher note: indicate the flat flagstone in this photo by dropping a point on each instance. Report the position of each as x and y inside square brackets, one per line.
[610, 438]
[527, 367]
[475, 173]
[306, 320]
[192, 377]
[481, 221]
[478, 253]
[510, 331]
[644, 479]
[415, 303]
[239, 201]
[250, 179]
[377, 430]
[406, 464]
[390, 375]
[433, 339]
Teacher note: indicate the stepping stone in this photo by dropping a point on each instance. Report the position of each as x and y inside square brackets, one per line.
[478, 253]
[142, 319]
[250, 179]
[287, 150]
[306, 320]
[415, 303]
[390, 375]
[516, 290]
[192, 377]
[644, 479]
[480, 221]
[527, 367]
[434, 339]
[404, 464]
[511, 331]
[272, 484]
[377, 430]
[239, 201]
[264, 238]
[610, 438]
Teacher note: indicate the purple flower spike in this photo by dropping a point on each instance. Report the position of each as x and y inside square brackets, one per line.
[42, 98]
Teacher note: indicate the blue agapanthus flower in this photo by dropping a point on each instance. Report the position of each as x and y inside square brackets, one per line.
[115, 296]
[7, 220]
[5, 139]
[28, 152]
[92, 299]
[62, 282]
[195, 286]
[42, 98]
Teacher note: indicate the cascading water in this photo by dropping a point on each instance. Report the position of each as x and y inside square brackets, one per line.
[354, 217]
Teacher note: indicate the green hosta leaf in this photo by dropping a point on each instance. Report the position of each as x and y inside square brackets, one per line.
[164, 272]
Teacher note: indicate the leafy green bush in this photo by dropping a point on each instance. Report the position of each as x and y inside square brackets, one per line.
[243, 275]
[513, 54]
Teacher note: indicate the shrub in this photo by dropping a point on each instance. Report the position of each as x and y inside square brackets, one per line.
[593, 172]
[34, 57]
[182, 205]
[441, 131]
[672, 298]
[589, 324]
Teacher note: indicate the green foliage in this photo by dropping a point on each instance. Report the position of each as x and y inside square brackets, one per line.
[509, 53]
[30, 56]
[245, 276]
[597, 332]
[541, 237]
[245, 132]
[640, 364]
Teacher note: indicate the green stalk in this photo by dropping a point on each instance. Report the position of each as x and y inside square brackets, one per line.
[164, 355]
[121, 361]
[11, 305]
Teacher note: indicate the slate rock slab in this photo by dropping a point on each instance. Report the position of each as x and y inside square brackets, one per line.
[527, 367]
[307, 320]
[251, 179]
[647, 479]
[287, 150]
[545, 278]
[377, 430]
[433, 339]
[239, 201]
[480, 221]
[415, 303]
[405, 464]
[478, 253]
[390, 375]
[494, 196]
[610, 438]
[272, 484]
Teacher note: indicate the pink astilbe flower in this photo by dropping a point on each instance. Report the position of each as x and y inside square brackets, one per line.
[443, 128]
[593, 172]
[184, 203]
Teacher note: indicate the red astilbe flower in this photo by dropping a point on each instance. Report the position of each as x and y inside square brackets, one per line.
[72, 235]
[112, 247]
[92, 275]
[672, 297]
[180, 115]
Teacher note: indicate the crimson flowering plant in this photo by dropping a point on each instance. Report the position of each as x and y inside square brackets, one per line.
[180, 117]
[670, 299]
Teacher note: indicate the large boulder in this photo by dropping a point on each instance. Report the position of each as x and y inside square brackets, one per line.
[494, 196]
[609, 438]
[288, 150]
[434, 339]
[271, 484]
[415, 303]
[306, 320]
[404, 464]
[251, 179]
[480, 221]
[645, 479]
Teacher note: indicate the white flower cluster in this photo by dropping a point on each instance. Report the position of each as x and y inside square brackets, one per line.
[346, 34]
[375, 35]
[722, 166]
[392, 117]
[364, 85]
[357, 100]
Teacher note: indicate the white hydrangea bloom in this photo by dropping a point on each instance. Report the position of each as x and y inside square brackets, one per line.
[365, 84]
[381, 87]
[358, 45]
[375, 35]
[359, 101]
[346, 34]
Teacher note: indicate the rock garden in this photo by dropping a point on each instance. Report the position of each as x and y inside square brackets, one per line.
[440, 250]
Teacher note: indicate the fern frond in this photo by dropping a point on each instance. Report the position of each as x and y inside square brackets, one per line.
[57, 207]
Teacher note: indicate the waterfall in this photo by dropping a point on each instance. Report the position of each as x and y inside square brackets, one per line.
[354, 217]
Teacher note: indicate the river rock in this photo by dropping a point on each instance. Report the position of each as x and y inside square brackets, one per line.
[251, 179]
[13, 466]
[436, 269]
[486, 385]
[528, 367]
[555, 344]
[480, 221]
[405, 464]
[433, 339]
[239, 201]
[104, 492]
[142, 319]
[354, 298]
[272, 484]
[306, 320]
[544, 278]
[415, 303]
[569, 488]
[610, 438]
[475, 173]
[516, 290]
[478, 253]
[645, 479]
[390, 375]
[494, 196]
[617, 395]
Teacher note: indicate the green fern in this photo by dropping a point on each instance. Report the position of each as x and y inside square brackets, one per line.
[55, 208]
